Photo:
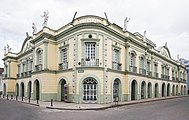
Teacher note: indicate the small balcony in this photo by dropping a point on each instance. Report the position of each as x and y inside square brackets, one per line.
[5, 75]
[165, 77]
[38, 67]
[63, 66]
[149, 73]
[18, 75]
[116, 66]
[133, 69]
[184, 80]
[90, 62]
[25, 74]
[22, 74]
[162, 76]
[142, 71]
[29, 73]
[156, 74]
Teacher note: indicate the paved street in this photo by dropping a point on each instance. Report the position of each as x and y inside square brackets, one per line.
[173, 109]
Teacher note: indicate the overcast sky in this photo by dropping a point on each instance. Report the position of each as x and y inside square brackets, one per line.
[164, 20]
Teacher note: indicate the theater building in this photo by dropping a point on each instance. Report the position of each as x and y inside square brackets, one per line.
[91, 60]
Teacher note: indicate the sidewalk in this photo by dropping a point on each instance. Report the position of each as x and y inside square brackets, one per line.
[74, 106]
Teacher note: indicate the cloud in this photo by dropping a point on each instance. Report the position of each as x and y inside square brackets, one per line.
[165, 21]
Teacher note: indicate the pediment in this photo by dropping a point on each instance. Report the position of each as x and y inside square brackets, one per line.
[27, 47]
[164, 51]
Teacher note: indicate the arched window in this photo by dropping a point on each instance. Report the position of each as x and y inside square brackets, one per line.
[90, 53]
[64, 55]
[90, 90]
[149, 73]
[64, 59]
[39, 59]
[142, 62]
[156, 70]
[132, 67]
[39, 56]
[115, 62]
[132, 62]
[142, 69]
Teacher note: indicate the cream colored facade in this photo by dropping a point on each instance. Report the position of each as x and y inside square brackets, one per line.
[92, 61]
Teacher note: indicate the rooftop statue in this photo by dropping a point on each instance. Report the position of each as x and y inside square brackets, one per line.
[125, 23]
[34, 28]
[46, 17]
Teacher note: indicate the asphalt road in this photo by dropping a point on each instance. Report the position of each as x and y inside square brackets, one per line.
[173, 109]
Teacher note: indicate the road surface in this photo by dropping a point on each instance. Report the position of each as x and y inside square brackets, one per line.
[172, 109]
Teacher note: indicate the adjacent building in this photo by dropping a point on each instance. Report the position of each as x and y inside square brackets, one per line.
[1, 80]
[186, 63]
[91, 60]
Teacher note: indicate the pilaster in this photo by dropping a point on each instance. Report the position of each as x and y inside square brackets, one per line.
[127, 56]
[45, 54]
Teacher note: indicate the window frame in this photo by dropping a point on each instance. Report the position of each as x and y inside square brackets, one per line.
[39, 56]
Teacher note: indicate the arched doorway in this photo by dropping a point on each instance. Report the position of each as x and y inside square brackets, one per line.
[4, 90]
[156, 90]
[184, 90]
[116, 89]
[168, 89]
[134, 90]
[17, 89]
[29, 89]
[177, 90]
[62, 84]
[36, 90]
[90, 90]
[22, 89]
[149, 91]
[143, 90]
[173, 90]
[181, 90]
[163, 90]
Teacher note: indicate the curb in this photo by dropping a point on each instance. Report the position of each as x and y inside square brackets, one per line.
[23, 102]
[29, 103]
[102, 108]
[116, 105]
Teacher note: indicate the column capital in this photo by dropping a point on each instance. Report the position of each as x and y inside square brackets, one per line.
[127, 44]
[45, 41]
